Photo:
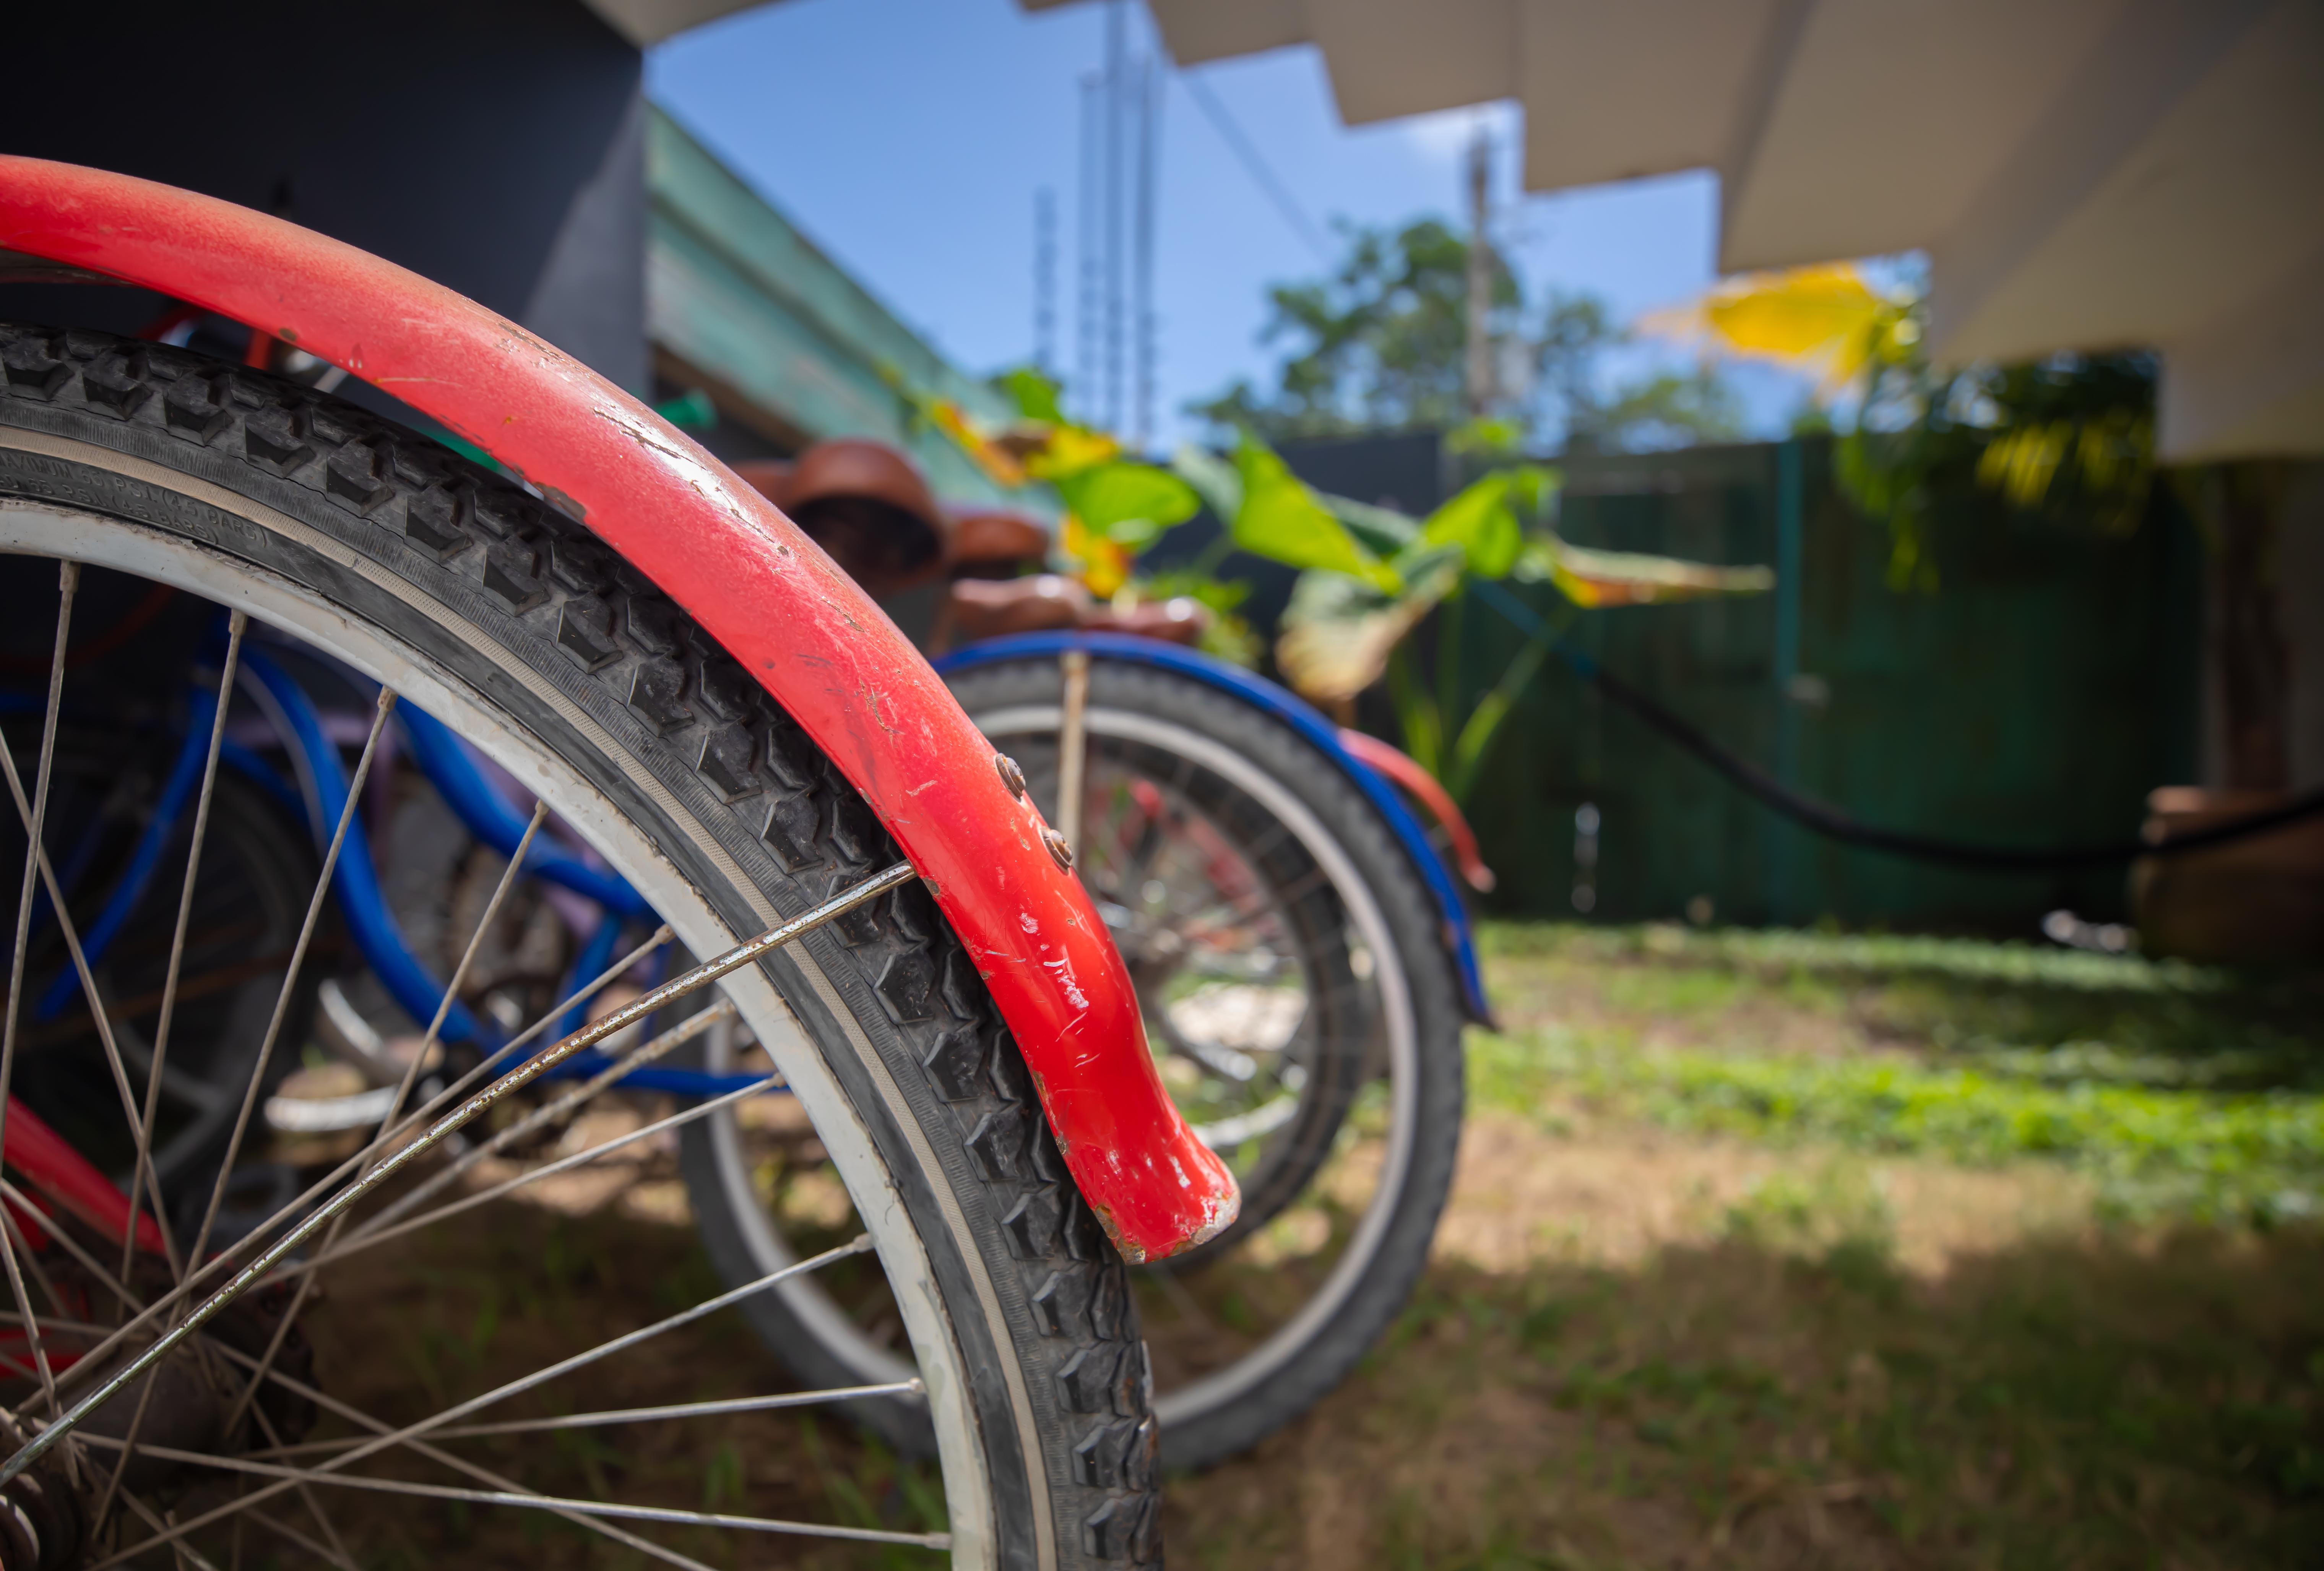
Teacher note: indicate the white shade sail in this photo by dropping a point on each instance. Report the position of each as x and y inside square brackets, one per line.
[2083, 174]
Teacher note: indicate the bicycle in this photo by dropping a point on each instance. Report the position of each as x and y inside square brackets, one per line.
[891, 938]
[1298, 945]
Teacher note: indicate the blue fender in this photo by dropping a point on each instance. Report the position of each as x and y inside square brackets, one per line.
[1301, 717]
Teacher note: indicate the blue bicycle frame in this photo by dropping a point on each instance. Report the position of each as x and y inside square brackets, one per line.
[458, 777]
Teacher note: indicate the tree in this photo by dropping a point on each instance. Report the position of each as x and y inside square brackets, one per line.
[2068, 437]
[1380, 345]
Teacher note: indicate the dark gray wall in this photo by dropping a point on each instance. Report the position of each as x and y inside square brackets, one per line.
[497, 146]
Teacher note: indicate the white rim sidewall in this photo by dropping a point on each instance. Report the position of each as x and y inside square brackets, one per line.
[1215, 1390]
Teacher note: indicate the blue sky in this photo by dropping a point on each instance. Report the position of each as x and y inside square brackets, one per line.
[909, 138]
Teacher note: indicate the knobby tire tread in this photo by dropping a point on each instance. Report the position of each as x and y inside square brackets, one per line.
[533, 581]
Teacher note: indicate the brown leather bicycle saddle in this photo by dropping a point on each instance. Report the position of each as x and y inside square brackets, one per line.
[866, 504]
[987, 542]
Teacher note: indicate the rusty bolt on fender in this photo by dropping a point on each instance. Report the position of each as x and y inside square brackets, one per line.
[1058, 847]
[1010, 775]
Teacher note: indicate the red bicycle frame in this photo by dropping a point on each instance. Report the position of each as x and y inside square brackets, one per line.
[754, 582]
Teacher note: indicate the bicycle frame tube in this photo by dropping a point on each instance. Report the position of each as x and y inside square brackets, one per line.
[444, 760]
[70, 1182]
[757, 584]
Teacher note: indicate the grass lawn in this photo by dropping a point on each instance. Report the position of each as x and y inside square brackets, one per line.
[1785, 1249]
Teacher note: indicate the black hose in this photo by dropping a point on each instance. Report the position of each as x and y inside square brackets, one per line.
[1834, 825]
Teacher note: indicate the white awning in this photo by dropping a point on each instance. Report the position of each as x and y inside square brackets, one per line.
[646, 23]
[2083, 174]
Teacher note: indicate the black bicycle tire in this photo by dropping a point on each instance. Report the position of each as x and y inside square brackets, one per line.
[1323, 1359]
[168, 441]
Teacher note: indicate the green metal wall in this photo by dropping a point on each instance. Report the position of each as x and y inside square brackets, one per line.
[2033, 699]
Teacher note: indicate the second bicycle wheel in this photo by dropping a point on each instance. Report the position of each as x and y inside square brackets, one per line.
[1302, 1011]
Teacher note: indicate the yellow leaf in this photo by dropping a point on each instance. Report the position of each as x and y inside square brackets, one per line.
[1069, 450]
[1105, 565]
[953, 420]
[1330, 662]
[1591, 579]
[1825, 317]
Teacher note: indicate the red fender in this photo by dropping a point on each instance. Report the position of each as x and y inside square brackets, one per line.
[1417, 783]
[760, 587]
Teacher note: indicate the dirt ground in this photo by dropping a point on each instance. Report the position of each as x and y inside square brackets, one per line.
[1638, 1347]
[1635, 1347]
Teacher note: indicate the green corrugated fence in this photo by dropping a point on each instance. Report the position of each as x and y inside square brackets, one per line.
[2033, 699]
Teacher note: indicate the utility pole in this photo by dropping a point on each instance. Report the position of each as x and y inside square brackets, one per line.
[1480, 369]
[1150, 133]
[1045, 281]
[1086, 396]
[1120, 144]
[1117, 95]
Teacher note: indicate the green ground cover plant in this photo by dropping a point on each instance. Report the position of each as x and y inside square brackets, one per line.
[1812, 1250]
[2185, 1092]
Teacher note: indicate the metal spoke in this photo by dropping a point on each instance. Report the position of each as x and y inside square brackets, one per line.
[35, 824]
[290, 975]
[459, 977]
[12, 1241]
[460, 972]
[70, 932]
[365, 1240]
[482, 1475]
[356, 1416]
[32, 1327]
[257, 1071]
[647, 1513]
[689, 1410]
[337, 1553]
[33, 1260]
[99, 1011]
[692, 1410]
[47, 1438]
[184, 1552]
[199, 1273]
[63, 1237]
[236, 623]
[281, 1529]
[580, 995]
[668, 1042]
[743, 954]
[68, 579]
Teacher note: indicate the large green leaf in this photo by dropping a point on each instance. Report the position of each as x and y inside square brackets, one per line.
[1338, 631]
[1214, 480]
[1127, 503]
[1281, 520]
[1484, 518]
[1384, 531]
[1035, 394]
[1592, 578]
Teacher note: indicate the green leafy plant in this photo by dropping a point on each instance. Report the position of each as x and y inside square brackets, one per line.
[1113, 507]
[2071, 436]
[1370, 576]
[1379, 343]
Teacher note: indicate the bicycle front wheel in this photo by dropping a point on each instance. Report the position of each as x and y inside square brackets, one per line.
[355, 1422]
